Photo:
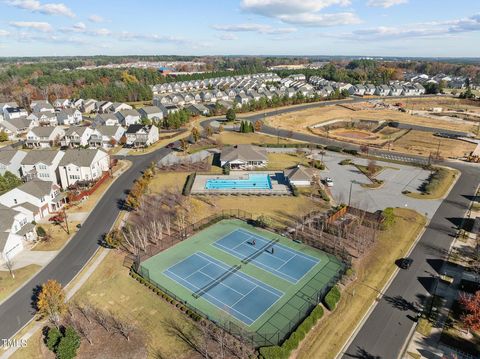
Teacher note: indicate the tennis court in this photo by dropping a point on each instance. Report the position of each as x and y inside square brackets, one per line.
[232, 291]
[267, 254]
[243, 287]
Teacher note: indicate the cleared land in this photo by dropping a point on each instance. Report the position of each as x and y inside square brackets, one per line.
[326, 340]
[237, 138]
[446, 103]
[9, 284]
[424, 143]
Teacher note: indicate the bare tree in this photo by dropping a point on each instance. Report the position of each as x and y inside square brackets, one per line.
[124, 328]
[9, 264]
[103, 319]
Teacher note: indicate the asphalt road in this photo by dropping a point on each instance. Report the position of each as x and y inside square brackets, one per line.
[18, 310]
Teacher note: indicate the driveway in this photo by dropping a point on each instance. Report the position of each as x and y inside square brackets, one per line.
[396, 177]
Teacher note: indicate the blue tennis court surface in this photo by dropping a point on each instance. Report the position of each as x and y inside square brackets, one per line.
[240, 295]
[284, 262]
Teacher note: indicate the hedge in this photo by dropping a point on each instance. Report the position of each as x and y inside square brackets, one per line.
[188, 184]
[334, 148]
[284, 351]
[289, 145]
[332, 298]
[351, 152]
[324, 195]
[294, 190]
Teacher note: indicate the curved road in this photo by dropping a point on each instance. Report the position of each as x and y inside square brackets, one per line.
[387, 327]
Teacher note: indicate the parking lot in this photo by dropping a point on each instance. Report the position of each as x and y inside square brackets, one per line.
[397, 178]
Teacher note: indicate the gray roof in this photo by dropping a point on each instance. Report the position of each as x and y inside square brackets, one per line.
[299, 173]
[6, 218]
[79, 130]
[107, 130]
[243, 153]
[21, 122]
[66, 112]
[6, 156]
[45, 131]
[3, 240]
[150, 110]
[124, 113]
[79, 157]
[37, 188]
[43, 156]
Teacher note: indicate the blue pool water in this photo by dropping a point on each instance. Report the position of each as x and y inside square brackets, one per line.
[254, 181]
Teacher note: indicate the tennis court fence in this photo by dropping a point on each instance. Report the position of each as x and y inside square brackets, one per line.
[291, 314]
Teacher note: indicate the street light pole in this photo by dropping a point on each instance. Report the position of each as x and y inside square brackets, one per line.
[350, 193]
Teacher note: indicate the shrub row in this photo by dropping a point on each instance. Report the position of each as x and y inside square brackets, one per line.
[284, 351]
[332, 298]
[187, 188]
[294, 190]
[318, 165]
[165, 296]
[323, 194]
[345, 162]
[334, 148]
[434, 180]
[288, 145]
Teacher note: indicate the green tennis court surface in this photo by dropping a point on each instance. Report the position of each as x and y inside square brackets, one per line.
[245, 278]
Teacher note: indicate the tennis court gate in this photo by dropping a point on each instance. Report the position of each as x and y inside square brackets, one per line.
[269, 334]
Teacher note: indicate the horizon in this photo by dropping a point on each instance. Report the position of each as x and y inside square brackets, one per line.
[353, 28]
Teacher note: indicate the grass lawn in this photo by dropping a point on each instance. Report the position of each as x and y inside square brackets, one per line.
[364, 169]
[237, 138]
[280, 161]
[58, 235]
[8, 284]
[441, 189]
[326, 340]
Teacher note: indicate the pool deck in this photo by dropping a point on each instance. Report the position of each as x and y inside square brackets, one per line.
[279, 187]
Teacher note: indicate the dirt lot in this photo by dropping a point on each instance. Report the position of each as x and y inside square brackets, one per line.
[424, 143]
[237, 138]
[299, 121]
[445, 103]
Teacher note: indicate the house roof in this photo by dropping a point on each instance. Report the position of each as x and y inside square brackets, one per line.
[80, 157]
[3, 240]
[67, 112]
[79, 130]
[6, 156]
[299, 173]
[243, 153]
[125, 113]
[149, 110]
[21, 122]
[135, 128]
[108, 130]
[43, 131]
[6, 218]
[36, 188]
[43, 156]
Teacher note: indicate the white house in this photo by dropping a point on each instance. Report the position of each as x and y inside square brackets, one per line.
[62, 103]
[128, 117]
[106, 119]
[396, 90]
[243, 156]
[299, 176]
[11, 113]
[41, 106]
[77, 136]
[151, 112]
[69, 117]
[88, 106]
[44, 137]
[103, 106]
[382, 90]
[19, 125]
[119, 106]
[82, 165]
[15, 228]
[41, 164]
[106, 136]
[141, 136]
[44, 118]
[11, 161]
[168, 109]
[40, 198]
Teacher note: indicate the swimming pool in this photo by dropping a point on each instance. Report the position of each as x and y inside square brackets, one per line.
[252, 181]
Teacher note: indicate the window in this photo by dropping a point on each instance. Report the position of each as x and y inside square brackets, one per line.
[15, 201]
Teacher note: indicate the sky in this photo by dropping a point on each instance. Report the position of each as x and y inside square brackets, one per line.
[419, 28]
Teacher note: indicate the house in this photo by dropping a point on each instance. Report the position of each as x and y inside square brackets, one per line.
[77, 136]
[11, 161]
[41, 165]
[11, 113]
[103, 106]
[396, 90]
[43, 118]
[243, 156]
[168, 109]
[19, 125]
[141, 136]
[41, 106]
[106, 119]
[44, 137]
[128, 117]
[197, 109]
[242, 99]
[162, 100]
[88, 106]
[106, 136]
[370, 89]
[82, 165]
[151, 112]
[420, 90]
[5, 105]
[62, 103]
[357, 90]
[15, 228]
[40, 198]
[119, 106]
[299, 176]
[207, 96]
[69, 117]
[382, 90]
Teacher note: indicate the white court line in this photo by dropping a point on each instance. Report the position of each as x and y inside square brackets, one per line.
[198, 270]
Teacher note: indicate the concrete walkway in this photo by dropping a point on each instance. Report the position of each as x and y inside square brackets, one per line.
[28, 257]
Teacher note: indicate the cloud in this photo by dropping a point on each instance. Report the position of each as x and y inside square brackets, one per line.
[47, 8]
[129, 36]
[302, 12]
[419, 30]
[34, 25]
[259, 28]
[385, 3]
[228, 37]
[101, 32]
[96, 18]
[3, 33]
[79, 27]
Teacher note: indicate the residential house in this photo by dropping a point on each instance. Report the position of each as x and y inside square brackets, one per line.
[11, 161]
[44, 137]
[106, 119]
[82, 165]
[168, 109]
[357, 90]
[41, 106]
[41, 165]
[119, 106]
[162, 100]
[69, 117]
[151, 112]
[77, 136]
[243, 157]
[383, 90]
[207, 96]
[197, 109]
[78, 103]
[106, 136]
[11, 113]
[19, 125]
[396, 90]
[15, 228]
[242, 99]
[103, 106]
[128, 117]
[370, 89]
[141, 136]
[88, 106]
[60, 103]
[40, 198]
[299, 176]
[44, 118]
